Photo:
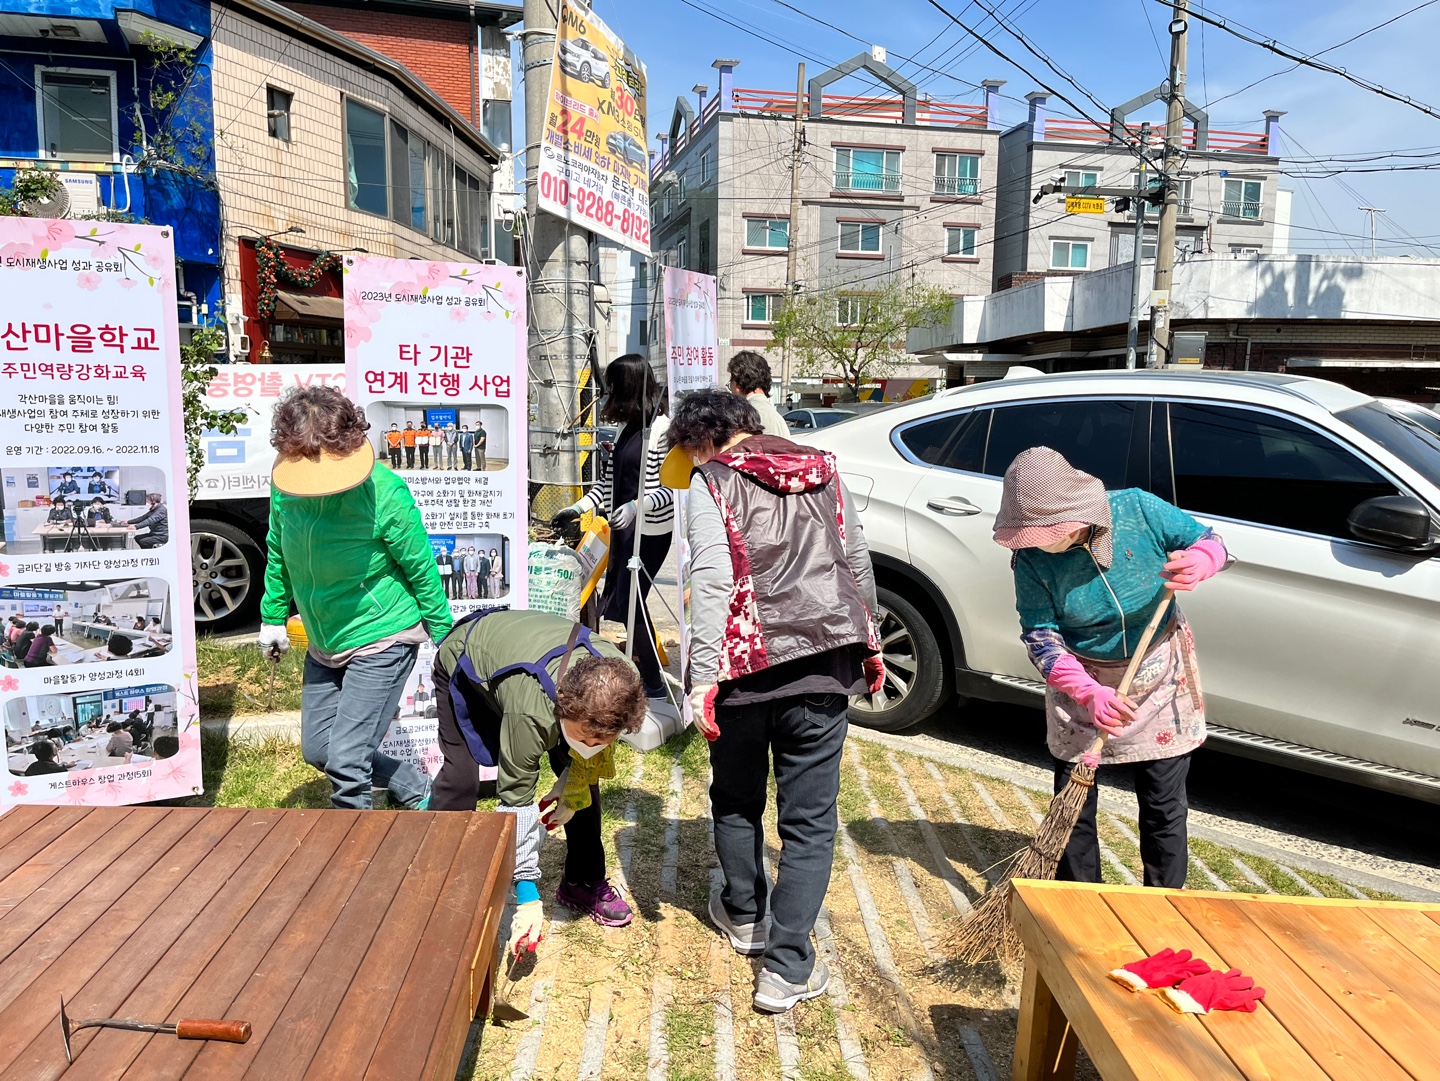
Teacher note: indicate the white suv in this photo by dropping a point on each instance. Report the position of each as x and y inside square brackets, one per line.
[1320, 647]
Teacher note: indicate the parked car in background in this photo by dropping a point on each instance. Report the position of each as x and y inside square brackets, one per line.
[1317, 646]
[810, 419]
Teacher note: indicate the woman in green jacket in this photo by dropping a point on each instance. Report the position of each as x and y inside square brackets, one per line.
[347, 545]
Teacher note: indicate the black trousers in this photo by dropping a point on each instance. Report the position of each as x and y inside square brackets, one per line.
[409, 457]
[394, 453]
[1164, 837]
[806, 737]
[457, 788]
[424, 457]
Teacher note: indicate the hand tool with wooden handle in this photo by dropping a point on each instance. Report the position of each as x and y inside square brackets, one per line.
[229, 1031]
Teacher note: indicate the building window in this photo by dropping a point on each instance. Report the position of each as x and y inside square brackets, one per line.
[365, 164]
[1184, 190]
[705, 168]
[702, 241]
[1244, 250]
[867, 170]
[1242, 199]
[772, 234]
[1070, 254]
[851, 311]
[680, 187]
[960, 240]
[77, 115]
[667, 204]
[277, 113]
[1081, 178]
[957, 174]
[860, 238]
[680, 253]
[760, 307]
[495, 123]
[642, 278]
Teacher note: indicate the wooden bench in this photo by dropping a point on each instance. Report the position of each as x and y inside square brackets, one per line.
[358, 944]
[1352, 987]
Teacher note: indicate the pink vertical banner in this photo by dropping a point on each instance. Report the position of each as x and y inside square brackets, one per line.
[102, 708]
[435, 353]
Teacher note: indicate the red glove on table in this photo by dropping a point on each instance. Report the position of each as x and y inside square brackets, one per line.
[874, 673]
[1215, 990]
[1159, 970]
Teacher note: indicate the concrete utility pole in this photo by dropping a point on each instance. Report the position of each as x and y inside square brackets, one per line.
[558, 260]
[1132, 333]
[797, 154]
[1170, 211]
[1372, 211]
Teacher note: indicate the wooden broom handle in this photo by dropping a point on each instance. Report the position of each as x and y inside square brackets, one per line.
[229, 1031]
[1141, 649]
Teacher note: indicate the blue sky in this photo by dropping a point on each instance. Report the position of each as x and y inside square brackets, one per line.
[1114, 51]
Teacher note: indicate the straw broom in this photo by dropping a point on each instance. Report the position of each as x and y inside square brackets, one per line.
[986, 934]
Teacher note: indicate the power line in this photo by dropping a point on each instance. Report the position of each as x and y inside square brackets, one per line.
[1300, 60]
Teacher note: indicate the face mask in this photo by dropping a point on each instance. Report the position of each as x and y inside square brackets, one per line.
[584, 750]
[1064, 544]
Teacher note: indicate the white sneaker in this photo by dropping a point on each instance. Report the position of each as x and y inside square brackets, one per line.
[748, 939]
[775, 995]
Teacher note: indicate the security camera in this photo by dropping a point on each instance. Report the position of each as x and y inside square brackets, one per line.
[1057, 178]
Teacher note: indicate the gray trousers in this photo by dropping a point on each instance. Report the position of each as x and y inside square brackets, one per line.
[806, 737]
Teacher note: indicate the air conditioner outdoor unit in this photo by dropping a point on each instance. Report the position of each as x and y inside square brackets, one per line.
[84, 192]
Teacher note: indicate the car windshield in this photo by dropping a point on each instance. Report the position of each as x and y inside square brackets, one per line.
[1414, 443]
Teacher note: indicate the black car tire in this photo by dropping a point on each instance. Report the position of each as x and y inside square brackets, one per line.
[227, 567]
[915, 680]
[585, 72]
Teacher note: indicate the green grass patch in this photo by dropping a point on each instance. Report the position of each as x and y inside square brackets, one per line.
[258, 773]
[235, 680]
[689, 1035]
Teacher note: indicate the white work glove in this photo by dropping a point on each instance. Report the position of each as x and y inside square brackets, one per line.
[526, 928]
[702, 710]
[274, 641]
[553, 813]
[623, 517]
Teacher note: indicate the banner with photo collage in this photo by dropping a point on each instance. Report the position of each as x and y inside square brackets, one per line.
[435, 354]
[98, 692]
[691, 363]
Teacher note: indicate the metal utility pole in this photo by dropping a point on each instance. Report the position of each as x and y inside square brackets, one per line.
[1132, 333]
[797, 154]
[1170, 211]
[1372, 211]
[558, 261]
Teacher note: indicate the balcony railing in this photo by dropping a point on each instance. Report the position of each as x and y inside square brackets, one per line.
[1083, 131]
[853, 181]
[1240, 208]
[940, 114]
[957, 185]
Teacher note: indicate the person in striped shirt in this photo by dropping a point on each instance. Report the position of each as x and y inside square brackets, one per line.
[633, 400]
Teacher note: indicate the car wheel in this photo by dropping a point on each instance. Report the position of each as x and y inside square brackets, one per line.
[914, 669]
[584, 73]
[228, 570]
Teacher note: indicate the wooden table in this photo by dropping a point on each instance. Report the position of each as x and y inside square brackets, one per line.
[55, 537]
[1352, 987]
[358, 944]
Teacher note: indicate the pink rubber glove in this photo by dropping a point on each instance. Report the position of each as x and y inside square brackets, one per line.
[1191, 566]
[1110, 712]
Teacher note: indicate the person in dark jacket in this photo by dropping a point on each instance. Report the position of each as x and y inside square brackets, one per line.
[156, 519]
[44, 752]
[467, 445]
[42, 649]
[775, 655]
[25, 641]
[60, 513]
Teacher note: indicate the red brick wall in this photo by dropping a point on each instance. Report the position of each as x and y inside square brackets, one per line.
[437, 51]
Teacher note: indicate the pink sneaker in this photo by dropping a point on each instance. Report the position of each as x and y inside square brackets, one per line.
[601, 902]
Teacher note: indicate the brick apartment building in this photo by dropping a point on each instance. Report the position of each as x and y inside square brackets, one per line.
[1229, 193]
[334, 143]
[894, 184]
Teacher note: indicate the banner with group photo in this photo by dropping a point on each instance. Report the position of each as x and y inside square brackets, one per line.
[692, 362]
[97, 662]
[594, 166]
[435, 355]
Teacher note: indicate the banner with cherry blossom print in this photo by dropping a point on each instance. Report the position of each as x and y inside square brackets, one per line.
[435, 353]
[97, 666]
[691, 363]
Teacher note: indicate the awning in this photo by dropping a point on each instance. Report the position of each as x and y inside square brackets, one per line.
[304, 306]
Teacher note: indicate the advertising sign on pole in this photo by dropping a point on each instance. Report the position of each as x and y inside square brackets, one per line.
[594, 168]
[435, 354]
[99, 698]
[237, 465]
[691, 363]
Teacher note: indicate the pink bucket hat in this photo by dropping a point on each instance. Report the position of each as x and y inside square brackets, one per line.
[1045, 497]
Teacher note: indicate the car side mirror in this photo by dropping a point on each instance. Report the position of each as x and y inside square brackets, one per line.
[1399, 522]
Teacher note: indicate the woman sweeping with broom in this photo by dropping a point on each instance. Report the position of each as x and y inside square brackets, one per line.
[1091, 570]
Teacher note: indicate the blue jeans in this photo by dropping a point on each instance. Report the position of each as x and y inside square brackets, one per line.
[344, 715]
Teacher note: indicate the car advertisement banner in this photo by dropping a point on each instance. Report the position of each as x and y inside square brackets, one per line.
[594, 167]
[98, 691]
[435, 355]
[691, 363]
[238, 466]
